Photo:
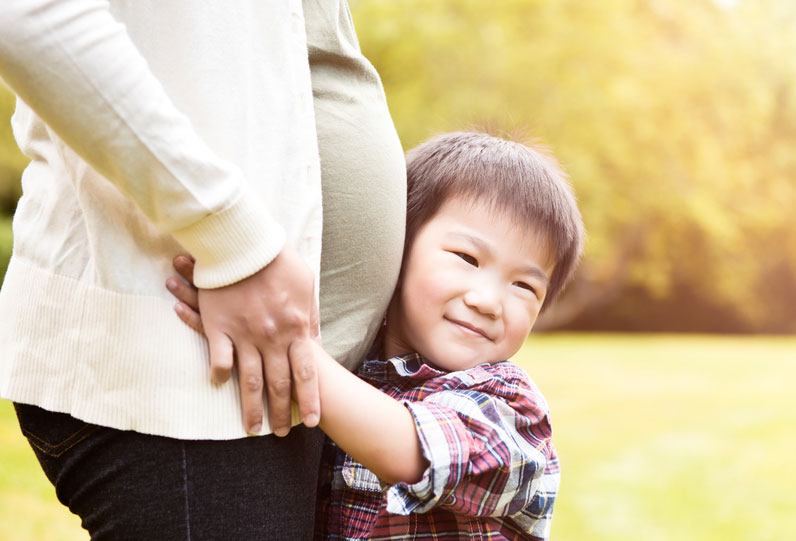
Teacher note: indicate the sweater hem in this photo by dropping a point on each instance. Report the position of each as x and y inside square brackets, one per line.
[57, 335]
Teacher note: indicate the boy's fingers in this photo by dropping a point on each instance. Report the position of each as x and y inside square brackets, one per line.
[184, 265]
[305, 380]
[221, 357]
[189, 316]
[184, 292]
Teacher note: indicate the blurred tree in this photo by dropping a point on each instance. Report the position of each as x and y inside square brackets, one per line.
[12, 162]
[5, 245]
[675, 119]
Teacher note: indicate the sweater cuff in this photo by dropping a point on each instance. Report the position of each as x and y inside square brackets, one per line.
[232, 244]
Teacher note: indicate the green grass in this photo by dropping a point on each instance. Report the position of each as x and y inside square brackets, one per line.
[671, 437]
[28, 507]
[679, 438]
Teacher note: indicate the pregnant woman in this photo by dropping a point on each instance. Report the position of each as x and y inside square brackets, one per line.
[159, 128]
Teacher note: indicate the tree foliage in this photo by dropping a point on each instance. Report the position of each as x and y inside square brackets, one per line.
[12, 162]
[676, 121]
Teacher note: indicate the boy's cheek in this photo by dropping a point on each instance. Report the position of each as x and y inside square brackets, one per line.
[524, 329]
[442, 282]
[434, 295]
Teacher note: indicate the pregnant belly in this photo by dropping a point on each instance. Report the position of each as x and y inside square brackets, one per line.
[364, 206]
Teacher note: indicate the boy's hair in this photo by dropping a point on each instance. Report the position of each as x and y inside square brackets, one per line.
[510, 176]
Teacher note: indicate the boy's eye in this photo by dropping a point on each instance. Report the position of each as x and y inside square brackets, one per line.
[524, 285]
[468, 258]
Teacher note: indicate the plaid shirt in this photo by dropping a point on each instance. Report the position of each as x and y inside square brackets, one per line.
[493, 471]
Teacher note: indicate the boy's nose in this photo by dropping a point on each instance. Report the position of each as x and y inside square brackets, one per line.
[485, 299]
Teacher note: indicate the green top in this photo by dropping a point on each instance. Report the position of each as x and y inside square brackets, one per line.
[364, 184]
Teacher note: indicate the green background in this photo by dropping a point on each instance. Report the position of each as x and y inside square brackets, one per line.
[660, 437]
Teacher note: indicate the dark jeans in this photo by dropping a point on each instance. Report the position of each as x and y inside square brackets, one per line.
[126, 485]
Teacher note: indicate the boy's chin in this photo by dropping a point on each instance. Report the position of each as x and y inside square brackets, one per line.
[451, 363]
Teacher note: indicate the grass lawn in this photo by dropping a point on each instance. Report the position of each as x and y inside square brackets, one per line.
[28, 508]
[671, 437]
[683, 438]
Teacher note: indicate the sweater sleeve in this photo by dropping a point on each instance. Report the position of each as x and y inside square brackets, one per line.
[73, 63]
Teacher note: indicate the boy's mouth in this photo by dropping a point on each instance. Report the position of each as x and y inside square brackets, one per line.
[469, 328]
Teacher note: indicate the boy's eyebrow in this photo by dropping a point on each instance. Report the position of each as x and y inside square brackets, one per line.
[533, 270]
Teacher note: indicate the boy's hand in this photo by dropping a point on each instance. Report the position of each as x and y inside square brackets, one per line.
[240, 326]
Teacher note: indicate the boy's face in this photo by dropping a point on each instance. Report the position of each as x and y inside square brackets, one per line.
[471, 288]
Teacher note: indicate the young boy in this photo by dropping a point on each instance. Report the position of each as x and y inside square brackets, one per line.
[440, 437]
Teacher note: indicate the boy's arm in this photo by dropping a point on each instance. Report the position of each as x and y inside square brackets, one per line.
[374, 428]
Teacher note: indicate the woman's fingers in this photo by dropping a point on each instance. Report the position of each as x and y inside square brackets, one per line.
[301, 354]
[250, 375]
[184, 292]
[222, 357]
[189, 316]
[184, 265]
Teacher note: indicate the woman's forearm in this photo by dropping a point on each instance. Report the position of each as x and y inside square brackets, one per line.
[76, 66]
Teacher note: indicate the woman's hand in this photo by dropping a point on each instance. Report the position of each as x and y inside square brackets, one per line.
[285, 375]
[188, 296]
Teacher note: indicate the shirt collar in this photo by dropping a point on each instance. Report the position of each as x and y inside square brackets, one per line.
[409, 365]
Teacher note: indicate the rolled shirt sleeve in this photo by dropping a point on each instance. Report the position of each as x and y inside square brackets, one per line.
[486, 457]
[492, 468]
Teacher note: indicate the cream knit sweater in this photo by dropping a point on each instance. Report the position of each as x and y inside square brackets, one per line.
[153, 128]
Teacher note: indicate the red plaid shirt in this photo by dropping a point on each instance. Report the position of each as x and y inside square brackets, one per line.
[493, 471]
